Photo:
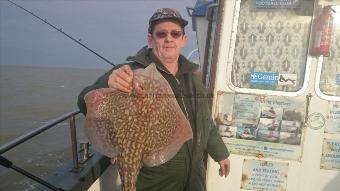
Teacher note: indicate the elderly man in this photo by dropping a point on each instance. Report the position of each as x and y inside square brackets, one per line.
[186, 170]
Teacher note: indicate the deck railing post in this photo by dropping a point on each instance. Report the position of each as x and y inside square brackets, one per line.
[74, 143]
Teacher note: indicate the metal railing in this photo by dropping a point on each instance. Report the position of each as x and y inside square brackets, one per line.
[68, 116]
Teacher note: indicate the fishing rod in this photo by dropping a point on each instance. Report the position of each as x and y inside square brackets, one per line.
[61, 31]
[8, 164]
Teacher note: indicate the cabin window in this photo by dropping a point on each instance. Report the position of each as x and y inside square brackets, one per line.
[330, 71]
[271, 47]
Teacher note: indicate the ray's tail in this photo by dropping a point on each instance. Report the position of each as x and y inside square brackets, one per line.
[129, 163]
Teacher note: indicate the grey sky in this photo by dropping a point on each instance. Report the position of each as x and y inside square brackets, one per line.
[113, 28]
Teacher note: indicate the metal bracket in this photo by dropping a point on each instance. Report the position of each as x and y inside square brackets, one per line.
[209, 16]
[85, 150]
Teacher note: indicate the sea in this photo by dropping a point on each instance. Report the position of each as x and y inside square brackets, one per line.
[42, 71]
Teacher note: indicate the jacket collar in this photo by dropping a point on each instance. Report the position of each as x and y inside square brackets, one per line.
[145, 57]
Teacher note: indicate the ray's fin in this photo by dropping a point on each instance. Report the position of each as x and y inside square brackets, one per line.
[97, 127]
[163, 154]
[182, 132]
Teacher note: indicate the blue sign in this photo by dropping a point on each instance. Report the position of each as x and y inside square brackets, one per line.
[337, 79]
[268, 78]
[271, 4]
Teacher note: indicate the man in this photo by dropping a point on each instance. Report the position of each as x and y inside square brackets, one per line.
[186, 170]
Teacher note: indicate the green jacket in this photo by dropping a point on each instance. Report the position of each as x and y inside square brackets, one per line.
[186, 170]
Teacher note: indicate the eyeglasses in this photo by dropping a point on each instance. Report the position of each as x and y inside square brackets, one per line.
[174, 34]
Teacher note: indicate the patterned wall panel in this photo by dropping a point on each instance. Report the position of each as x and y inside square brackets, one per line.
[270, 40]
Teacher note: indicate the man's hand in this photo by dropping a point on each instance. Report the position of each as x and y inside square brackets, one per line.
[224, 167]
[121, 79]
[113, 160]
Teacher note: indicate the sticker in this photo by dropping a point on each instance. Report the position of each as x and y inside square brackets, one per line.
[338, 79]
[268, 78]
[287, 80]
[264, 175]
[277, 3]
[316, 121]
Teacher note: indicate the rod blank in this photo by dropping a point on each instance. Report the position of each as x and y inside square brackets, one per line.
[8, 164]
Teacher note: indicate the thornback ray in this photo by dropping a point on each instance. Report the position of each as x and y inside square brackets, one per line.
[146, 127]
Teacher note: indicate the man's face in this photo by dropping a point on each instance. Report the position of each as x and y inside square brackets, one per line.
[167, 41]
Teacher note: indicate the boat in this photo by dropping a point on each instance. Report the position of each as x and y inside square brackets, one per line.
[253, 54]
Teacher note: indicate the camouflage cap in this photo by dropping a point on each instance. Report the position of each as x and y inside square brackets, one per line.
[166, 14]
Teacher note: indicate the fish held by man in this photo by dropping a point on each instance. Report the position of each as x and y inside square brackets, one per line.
[146, 127]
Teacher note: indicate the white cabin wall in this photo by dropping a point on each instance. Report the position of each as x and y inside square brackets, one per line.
[108, 181]
[304, 175]
[214, 181]
[227, 41]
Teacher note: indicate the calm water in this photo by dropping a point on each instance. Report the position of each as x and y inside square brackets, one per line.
[30, 97]
[42, 71]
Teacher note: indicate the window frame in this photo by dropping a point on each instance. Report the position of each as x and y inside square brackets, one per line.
[317, 83]
[230, 61]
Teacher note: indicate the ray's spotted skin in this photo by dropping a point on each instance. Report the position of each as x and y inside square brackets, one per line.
[146, 127]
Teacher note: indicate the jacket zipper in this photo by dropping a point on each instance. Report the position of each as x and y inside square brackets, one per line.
[191, 140]
[185, 108]
[187, 116]
[179, 84]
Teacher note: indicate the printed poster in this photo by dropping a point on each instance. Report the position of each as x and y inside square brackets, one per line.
[246, 109]
[333, 119]
[330, 159]
[261, 126]
[264, 175]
